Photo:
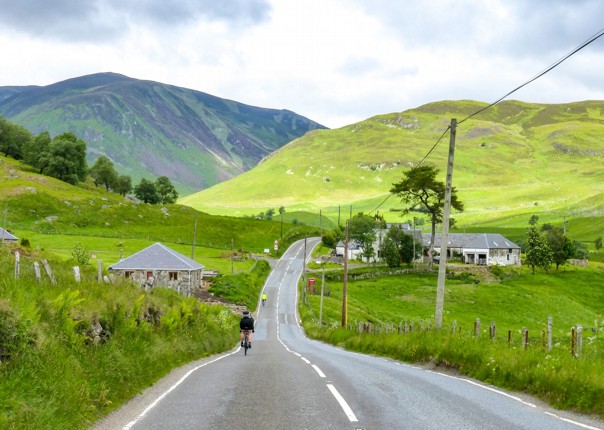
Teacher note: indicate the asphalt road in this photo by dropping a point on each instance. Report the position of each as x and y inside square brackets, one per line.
[290, 382]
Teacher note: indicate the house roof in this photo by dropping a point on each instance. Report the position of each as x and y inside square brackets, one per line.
[5, 235]
[472, 240]
[157, 257]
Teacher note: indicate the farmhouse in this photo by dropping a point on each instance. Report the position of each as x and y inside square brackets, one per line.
[479, 248]
[160, 266]
[355, 249]
[6, 236]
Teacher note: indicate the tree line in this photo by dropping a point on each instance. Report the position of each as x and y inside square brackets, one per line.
[64, 157]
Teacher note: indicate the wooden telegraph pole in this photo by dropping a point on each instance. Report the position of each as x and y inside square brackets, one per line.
[345, 286]
[442, 265]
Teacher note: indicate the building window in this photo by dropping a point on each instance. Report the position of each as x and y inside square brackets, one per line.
[173, 276]
[128, 273]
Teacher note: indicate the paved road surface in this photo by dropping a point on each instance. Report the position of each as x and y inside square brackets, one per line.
[289, 382]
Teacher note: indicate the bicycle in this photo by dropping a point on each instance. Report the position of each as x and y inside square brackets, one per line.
[246, 344]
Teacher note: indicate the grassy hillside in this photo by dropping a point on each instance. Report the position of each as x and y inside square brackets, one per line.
[512, 161]
[150, 129]
[56, 216]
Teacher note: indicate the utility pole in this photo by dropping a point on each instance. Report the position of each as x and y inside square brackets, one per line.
[232, 268]
[442, 264]
[194, 236]
[345, 287]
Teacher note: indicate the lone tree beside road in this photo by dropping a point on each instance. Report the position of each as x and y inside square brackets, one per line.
[419, 186]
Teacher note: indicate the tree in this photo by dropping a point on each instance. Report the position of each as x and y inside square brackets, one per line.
[269, 213]
[123, 185]
[581, 251]
[66, 159]
[362, 229]
[13, 138]
[561, 246]
[103, 172]
[420, 187]
[166, 191]
[538, 252]
[146, 191]
[281, 210]
[399, 247]
[598, 243]
[36, 151]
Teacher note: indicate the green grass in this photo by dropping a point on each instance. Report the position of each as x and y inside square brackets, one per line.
[512, 298]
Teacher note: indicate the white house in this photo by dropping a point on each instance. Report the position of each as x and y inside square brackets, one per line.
[6, 236]
[355, 249]
[479, 248]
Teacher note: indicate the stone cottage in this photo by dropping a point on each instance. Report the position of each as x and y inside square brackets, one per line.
[160, 266]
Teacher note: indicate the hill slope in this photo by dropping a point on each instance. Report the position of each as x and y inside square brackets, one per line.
[151, 129]
[515, 158]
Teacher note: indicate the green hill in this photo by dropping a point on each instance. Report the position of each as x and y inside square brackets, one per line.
[512, 160]
[153, 129]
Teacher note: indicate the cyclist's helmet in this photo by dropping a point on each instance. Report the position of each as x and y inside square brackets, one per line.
[246, 313]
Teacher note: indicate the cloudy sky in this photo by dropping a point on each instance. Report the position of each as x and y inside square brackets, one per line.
[334, 61]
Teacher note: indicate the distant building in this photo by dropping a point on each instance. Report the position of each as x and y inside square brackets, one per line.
[488, 249]
[6, 236]
[160, 266]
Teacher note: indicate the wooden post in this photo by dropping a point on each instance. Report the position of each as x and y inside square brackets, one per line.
[454, 328]
[579, 340]
[572, 341]
[524, 338]
[37, 271]
[321, 302]
[100, 272]
[509, 338]
[477, 327]
[550, 324]
[53, 281]
[345, 284]
[17, 264]
[492, 330]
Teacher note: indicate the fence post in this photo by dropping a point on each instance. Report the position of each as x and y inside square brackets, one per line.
[17, 264]
[37, 271]
[53, 281]
[572, 341]
[579, 339]
[524, 338]
[76, 273]
[509, 338]
[454, 328]
[477, 327]
[100, 272]
[550, 324]
[492, 330]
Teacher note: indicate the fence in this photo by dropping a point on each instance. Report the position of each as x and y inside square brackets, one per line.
[544, 339]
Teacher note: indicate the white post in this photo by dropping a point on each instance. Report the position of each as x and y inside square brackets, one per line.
[17, 264]
[37, 271]
[53, 281]
[76, 273]
[550, 323]
[100, 271]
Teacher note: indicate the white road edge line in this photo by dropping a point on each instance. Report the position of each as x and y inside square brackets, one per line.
[351, 416]
[321, 374]
[305, 360]
[585, 426]
[518, 399]
[160, 398]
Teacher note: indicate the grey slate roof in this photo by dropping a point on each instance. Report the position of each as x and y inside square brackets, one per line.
[472, 240]
[157, 257]
[5, 235]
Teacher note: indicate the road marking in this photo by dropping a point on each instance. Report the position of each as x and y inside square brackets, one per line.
[585, 426]
[321, 374]
[305, 360]
[160, 398]
[351, 416]
[503, 393]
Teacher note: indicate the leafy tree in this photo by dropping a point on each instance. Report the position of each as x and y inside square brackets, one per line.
[398, 247]
[581, 251]
[66, 159]
[80, 254]
[123, 185]
[270, 213]
[281, 210]
[13, 138]
[166, 191]
[561, 246]
[332, 237]
[103, 172]
[420, 187]
[147, 192]
[538, 253]
[598, 243]
[362, 229]
[36, 151]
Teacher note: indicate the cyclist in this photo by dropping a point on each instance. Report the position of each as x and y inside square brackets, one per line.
[263, 299]
[246, 323]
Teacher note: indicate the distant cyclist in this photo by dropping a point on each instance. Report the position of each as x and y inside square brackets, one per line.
[263, 299]
[246, 323]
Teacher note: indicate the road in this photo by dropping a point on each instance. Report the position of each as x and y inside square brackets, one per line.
[290, 382]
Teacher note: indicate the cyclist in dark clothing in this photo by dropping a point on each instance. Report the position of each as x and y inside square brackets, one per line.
[246, 323]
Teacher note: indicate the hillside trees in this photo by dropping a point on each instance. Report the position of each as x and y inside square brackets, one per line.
[103, 172]
[66, 159]
[362, 229]
[166, 191]
[13, 138]
[35, 152]
[537, 252]
[147, 192]
[419, 186]
[561, 246]
[123, 185]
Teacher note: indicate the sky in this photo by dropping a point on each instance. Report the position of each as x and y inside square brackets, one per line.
[336, 62]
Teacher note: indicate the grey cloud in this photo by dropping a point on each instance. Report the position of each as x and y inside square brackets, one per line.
[98, 20]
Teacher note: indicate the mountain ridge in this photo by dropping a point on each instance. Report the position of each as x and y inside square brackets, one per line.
[150, 128]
